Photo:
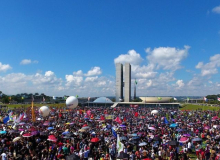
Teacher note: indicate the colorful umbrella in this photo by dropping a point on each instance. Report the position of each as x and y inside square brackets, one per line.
[142, 144]
[46, 123]
[196, 139]
[16, 139]
[50, 128]
[52, 138]
[184, 139]
[151, 128]
[94, 140]
[206, 127]
[34, 132]
[27, 135]
[186, 135]
[173, 125]
[3, 132]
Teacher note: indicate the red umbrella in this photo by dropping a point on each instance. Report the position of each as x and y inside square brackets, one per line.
[85, 125]
[32, 129]
[27, 135]
[52, 138]
[95, 140]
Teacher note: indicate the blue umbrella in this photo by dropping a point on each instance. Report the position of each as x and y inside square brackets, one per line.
[196, 139]
[173, 125]
[3, 132]
[64, 133]
[179, 130]
[50, 128]
[134, 135]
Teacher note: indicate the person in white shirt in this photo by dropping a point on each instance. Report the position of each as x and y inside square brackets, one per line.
[4, 156]
[189, 146]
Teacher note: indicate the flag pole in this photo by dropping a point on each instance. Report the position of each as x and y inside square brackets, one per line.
[32, 109]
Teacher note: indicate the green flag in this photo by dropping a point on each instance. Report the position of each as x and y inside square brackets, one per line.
[159, 98]
[136, 82]
[77, 96]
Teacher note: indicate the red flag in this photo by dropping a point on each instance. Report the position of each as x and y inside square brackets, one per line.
[102, 118]
[92, 116]
[60, 115]
[124, 119]
[117, 119]
[88, 112]
[136, 114]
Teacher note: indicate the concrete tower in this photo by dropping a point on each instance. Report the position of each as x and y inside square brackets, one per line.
[127, 82]
[119, 82]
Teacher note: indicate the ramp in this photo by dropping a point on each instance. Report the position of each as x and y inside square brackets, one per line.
[114, 105]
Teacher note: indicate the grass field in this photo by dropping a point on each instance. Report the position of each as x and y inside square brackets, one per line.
[11, 106]
[196, 107]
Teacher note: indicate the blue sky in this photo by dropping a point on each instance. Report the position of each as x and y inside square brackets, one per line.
[71, 47]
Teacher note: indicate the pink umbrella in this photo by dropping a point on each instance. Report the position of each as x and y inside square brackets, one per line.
[34, 132]
[151, 128]
[27, 135]
[206, 127]
[22, 123]
[46, 123]
[215, 117]
[183, 140]
[52, 138]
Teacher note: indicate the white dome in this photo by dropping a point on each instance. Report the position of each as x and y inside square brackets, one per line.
[71, 102]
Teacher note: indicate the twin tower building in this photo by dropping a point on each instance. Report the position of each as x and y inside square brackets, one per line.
[123, 82]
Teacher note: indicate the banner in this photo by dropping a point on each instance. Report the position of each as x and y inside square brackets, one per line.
[109, 116]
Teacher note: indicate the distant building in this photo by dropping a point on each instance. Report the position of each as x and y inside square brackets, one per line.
[123, 80]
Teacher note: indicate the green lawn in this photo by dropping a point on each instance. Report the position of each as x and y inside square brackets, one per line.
[196, 107]
[11, 106]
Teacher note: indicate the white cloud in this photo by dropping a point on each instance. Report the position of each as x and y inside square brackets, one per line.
[131, 57]
[28, 61]
[19, 82]
[167, 58]
[78, 73]
[73, 80]
[94, 71]
[4, 67]
[91, 79]
[180, 83]
[216, 10]
[209, 68]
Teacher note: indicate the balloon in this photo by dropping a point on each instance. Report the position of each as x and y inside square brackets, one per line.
[44, 111]
[71, 102]
[154, 112]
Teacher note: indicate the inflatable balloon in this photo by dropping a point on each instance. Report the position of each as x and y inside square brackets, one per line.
[44, 111]
[71, 102]
[154, 112]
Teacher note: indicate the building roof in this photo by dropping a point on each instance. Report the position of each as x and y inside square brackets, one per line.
[102, 100]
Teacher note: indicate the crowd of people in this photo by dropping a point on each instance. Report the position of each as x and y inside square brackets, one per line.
[110, 133]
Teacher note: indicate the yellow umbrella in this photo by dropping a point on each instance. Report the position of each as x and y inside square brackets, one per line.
[82, 130]
[68, 123]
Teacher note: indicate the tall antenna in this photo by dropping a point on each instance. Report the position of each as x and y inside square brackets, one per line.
[135, 83]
